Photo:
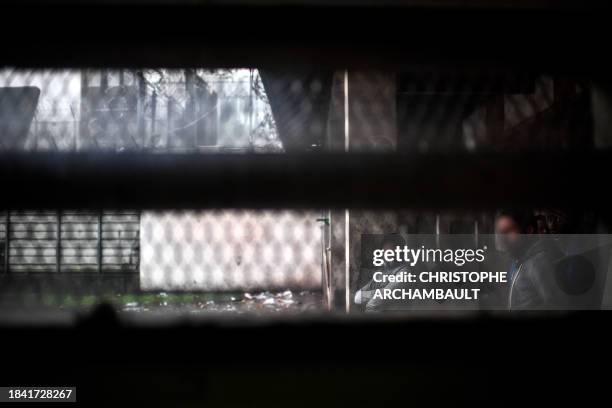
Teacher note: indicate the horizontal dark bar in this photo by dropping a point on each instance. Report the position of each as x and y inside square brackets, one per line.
[549, 38]
[497, 4]
[151, 181]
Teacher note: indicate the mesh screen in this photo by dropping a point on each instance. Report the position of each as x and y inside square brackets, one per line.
[157, 110]
[152, 109]
[230, 250]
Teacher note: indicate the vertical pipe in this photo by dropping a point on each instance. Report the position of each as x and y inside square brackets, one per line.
[330, 289]
[324, 275]
[325, 258]
[251, 141]
[58, 243]
[347, 260]
[346, 113]
[347, 229]
[100, 242]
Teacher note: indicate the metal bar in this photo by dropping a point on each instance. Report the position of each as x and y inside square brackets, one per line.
[347, 216]
[442, 4]
[435, 181]
[273, 36]
[347, 260]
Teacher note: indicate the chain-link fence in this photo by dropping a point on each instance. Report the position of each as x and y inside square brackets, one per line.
[118, 110]
[169, 110]
[314, 111]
